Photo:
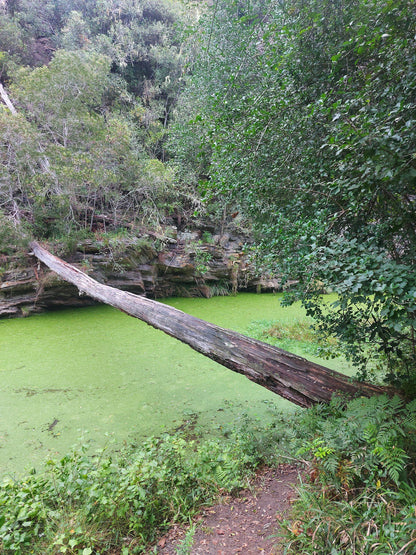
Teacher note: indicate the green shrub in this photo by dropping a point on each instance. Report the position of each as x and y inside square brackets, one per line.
[83, 503]
[12, 238]
[361, 496]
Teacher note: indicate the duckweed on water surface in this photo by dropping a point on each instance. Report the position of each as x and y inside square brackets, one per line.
[97, 373]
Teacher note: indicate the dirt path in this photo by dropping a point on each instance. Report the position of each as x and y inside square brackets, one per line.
[247, 524]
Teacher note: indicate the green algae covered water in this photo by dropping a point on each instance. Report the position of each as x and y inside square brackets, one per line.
[99, 374]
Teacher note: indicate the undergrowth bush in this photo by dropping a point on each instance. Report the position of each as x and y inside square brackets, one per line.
[360, 497]
[357, 495]
[12, 237]
[83, 504]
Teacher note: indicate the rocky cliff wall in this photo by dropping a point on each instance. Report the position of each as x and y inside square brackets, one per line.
[154, 265]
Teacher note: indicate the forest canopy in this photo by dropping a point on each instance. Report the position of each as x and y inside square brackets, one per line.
[93, 84]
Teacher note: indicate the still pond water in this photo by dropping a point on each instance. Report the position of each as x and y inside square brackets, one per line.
[99, 374]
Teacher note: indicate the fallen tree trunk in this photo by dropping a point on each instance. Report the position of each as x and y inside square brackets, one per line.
[287, 375]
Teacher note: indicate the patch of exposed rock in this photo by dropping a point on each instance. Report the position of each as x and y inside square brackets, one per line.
[154, 265]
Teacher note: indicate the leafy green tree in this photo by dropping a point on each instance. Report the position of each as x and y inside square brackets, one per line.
[76, 33]
[20, 159]
[308, 108]
[12, 43]
[73, 153]
[62, 159]
[141, 38]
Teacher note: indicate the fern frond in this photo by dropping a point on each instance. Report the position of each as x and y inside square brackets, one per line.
[393, 459]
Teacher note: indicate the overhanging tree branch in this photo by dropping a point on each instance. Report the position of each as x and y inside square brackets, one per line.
[290, 376]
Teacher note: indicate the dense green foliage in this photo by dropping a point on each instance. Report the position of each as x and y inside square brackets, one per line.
[359, 496]
[302, 119]
[95, 504]
[306, 113]
[93, 84]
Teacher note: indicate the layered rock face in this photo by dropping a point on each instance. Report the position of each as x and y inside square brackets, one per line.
[157, 266]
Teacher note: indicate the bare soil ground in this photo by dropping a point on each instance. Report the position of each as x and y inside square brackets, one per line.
[248, 524]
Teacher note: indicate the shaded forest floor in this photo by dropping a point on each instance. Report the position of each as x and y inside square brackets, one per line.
[247, 524]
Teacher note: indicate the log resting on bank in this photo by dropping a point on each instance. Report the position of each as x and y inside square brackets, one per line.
[290, 376]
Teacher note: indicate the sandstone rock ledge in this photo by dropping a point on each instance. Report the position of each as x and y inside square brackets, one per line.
[155, 266]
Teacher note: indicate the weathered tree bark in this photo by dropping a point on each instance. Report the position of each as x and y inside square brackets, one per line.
[5, 97]
[287, 375]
